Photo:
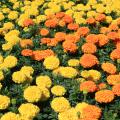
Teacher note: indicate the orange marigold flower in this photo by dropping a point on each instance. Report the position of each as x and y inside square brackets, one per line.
[91, 20]
[60, 15]
[104, 30]
[104, 96]
[82, 31]
[116, 89]
[109, 68]
[26, 42]
[44, 32]
[61, 23]
[113, 79]
[72, 38]
[100, 17]
[52, 23]
[115, 54]
[103, 39]
[102, 86]
[42, 54]
[88, 86]
[89, 48]
[113, 27]
[28, 22]
[53, 42]
[91, 111]
[27, 52]
[45, 40]
[88, 119]
[60, 36]
[67, 19]
[113, 35]
[92, 38]
[88, 60]
[69, 47]
[73, 26]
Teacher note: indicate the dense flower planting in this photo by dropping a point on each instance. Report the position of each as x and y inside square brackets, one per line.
[59, 60]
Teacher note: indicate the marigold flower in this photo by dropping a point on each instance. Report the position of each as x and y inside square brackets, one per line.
[82, 31]
[32, 94]
[115, 54]
[69, 47]
[67, 19]
[73, 26]
[29, 110]
[45, 40]
[27, 52]
[88, 60]
[52, 23]
[60, 36]
[43, 81]
[42, 54]
[28, 22]
[92, 38]
[9, 116]
[118, 45]
[109, 68]
[103, 39]
[53, 42]
[88, 86]
[113, 27]
[113, 35]
[44, 32]
[73, 62]
[72, 38]
[58, 90]
[102, 86]
[104, 30]
[116, 89]
[60, 104]
[61, 23]
[91, 20]
[60, 15]
[104, 96]
[91, 111]
[51, 62]
[100, 17]
[4, 102]
[26, 42]
[89, 48]
[113, 79]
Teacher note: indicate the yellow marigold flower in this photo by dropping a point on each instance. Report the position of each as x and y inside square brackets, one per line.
[1, 59]
[40, 18]
[1, 75]
[80, 106]
[109, 19]
[7, 46]
[4, 102]
[60, 104]
[80, 20]
[43, 81]
[32, 94]
[5, 10]
[85, 74]
[68, 72]
[95, 75]
[9, 116]
[13, 1]
[10, 61]
[73, 62]
[69, 12]
[56, 8]
[91, 13]
[1, 16]
[29, 110]
[70, 114]
[13, 15]
[19, 77]
[58, 90]
[8, 26]
[45, 94]
[80, 80]
[27, 70]
[51, 62]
